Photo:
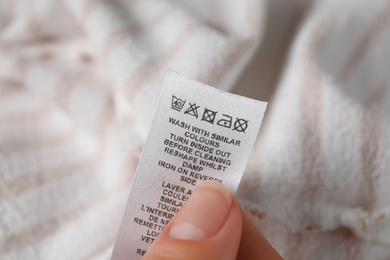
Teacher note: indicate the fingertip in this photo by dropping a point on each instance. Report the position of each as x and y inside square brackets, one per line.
[216, 185]
[222, 244]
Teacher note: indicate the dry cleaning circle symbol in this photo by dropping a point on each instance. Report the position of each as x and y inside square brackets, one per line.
[240, 125]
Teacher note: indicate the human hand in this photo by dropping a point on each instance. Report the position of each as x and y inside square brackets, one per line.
[211, 226]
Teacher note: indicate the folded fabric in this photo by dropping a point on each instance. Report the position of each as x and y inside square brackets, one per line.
[79, 81]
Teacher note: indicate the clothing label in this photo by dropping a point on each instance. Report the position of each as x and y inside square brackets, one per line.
[198, 133]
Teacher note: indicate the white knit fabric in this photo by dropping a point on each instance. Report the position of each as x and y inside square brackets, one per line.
[79, 80]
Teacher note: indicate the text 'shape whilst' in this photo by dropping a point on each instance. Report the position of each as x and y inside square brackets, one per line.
[198, 133]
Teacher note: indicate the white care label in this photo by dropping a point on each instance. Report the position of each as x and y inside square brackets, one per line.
[198, 133]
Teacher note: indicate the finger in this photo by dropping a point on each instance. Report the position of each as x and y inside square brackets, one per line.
[253, 243]
[207, 227]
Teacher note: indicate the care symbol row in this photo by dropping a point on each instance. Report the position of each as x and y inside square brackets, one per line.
[239, 125]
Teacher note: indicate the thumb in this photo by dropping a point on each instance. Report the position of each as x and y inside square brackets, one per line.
[207, 227]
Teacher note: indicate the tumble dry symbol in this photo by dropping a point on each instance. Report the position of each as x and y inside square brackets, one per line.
[209, 115]
[192, 110]
[240, 125]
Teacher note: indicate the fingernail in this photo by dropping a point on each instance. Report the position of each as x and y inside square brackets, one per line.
[203, 215]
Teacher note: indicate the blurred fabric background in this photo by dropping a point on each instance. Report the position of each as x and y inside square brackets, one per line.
[79, 80]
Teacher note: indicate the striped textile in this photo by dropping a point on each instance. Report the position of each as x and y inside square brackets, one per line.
[79, 80]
